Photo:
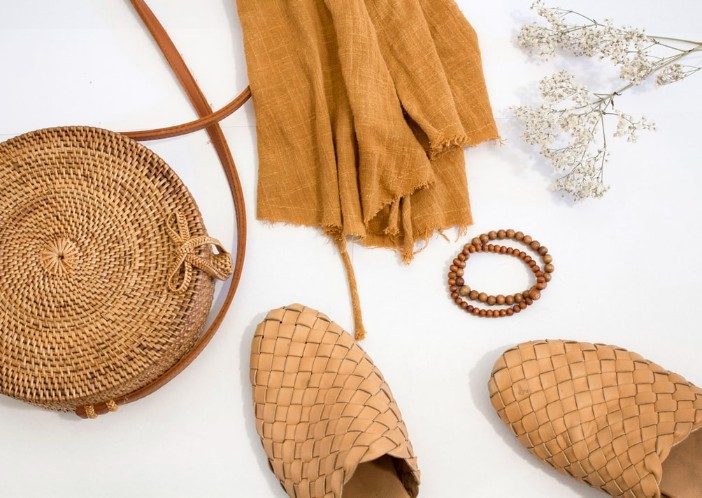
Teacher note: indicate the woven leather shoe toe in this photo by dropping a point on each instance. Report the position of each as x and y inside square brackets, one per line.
[323, 408]
[600, 413]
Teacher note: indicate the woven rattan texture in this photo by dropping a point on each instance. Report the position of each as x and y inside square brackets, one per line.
[599, 413]
[322, 407]
[85, 310]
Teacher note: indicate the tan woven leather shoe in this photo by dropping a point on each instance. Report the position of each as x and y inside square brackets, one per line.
[603, 415]
[326, 417]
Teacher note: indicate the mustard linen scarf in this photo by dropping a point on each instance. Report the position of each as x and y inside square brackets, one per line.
[362, 110]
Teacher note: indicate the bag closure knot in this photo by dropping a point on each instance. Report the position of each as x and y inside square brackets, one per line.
[218, 265]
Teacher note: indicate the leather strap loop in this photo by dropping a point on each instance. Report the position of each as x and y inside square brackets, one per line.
[209, 121]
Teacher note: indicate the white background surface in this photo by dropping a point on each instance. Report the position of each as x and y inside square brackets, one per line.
[628, 267]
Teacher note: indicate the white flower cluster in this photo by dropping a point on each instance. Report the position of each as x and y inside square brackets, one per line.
[569, 125]
[538, 40]
[569, 128]
[670, 74]
[585, 180]
[628, 127]
[674, 72]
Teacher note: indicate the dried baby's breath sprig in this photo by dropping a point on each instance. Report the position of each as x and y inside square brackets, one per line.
[636, 53]
[570, 130]
[570, 125]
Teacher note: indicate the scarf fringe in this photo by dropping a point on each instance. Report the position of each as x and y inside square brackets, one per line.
[359, 329]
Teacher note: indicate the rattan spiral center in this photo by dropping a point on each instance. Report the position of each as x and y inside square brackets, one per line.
[59, 256]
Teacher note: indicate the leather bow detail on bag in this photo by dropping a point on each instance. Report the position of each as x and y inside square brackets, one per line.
[217, 265]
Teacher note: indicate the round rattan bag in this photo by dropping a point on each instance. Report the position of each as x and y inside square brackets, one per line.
[107, 270]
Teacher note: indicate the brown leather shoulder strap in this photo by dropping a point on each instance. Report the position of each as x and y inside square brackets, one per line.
[192, 126]
[208, 121]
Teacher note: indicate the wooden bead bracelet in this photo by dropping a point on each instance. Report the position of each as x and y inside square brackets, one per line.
[515, 302]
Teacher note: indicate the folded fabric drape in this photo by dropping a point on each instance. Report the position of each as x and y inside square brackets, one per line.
[362, 110]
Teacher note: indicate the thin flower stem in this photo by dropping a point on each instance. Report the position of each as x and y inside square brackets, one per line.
[668, 46]
[604, 134]
[578, 28]
[679, 40]
[593, 21]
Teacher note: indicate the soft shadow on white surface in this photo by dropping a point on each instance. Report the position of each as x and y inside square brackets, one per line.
[479, 377]
[7, 403]
[10, 404]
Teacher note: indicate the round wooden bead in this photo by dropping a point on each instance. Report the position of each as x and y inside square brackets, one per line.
[549, 268]
[464, 290]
